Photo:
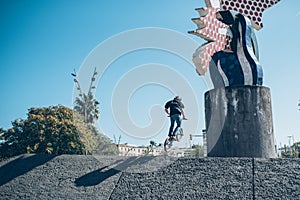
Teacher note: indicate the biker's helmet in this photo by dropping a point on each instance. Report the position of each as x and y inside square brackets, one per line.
[177, 98]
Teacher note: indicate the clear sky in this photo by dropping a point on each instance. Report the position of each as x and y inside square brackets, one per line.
[43, 41]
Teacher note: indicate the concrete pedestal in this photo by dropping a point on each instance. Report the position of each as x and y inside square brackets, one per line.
[239, 122]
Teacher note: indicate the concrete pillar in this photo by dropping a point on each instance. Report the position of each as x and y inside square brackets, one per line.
[239, 122]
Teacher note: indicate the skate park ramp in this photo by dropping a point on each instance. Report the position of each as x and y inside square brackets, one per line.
[33, 176]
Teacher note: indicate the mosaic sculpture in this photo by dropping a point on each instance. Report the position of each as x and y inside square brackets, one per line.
[231, 53]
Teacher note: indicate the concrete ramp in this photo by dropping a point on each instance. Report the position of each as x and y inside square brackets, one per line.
[104, 177]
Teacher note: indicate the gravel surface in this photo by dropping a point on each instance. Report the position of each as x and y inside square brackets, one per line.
[277, 178]
[207, 178]
[60, 177]
[104, 177]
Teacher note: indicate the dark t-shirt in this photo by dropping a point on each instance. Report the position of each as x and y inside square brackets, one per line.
[175, 107]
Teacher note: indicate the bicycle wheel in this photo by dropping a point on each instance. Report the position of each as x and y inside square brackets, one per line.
[168, 144]
[180, 134]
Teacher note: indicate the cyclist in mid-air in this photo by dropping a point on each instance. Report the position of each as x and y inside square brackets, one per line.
[174, 109]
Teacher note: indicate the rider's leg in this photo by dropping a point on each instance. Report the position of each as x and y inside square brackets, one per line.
[178, 120]
[171, 126]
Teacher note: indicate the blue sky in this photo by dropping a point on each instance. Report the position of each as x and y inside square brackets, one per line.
[43, 41]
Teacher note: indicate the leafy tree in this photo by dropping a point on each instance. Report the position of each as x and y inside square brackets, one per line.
[93, 140]
[296, 146]
[46, 130]
[104, 145]
[291, 151]
[198, 151]
[85, 103]
[53, 130]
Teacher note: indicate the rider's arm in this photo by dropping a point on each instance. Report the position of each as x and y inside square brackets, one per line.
[167, 106]
[183, 115]
[167, 111]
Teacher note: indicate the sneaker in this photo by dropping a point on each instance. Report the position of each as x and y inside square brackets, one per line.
[173, 137]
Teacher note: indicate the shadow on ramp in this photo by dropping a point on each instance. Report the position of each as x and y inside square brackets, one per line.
[100, 175]
[21, 166]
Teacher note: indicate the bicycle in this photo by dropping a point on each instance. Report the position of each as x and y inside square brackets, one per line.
[169, 140]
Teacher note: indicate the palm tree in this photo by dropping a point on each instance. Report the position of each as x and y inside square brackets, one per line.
[153, 144]
[86, 104]
[150, 148]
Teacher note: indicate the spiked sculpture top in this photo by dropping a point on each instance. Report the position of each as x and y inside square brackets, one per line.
[231, 53]
[249, 8]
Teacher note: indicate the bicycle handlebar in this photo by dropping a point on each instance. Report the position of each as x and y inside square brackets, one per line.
[182, 118]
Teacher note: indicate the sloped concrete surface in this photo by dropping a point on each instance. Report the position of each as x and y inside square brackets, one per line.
[57, 178]
[101, 177]
[207, 178]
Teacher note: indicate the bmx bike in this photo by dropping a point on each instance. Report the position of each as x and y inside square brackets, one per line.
[169, 140]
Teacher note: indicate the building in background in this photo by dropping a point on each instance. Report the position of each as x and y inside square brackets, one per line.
[132, 150]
